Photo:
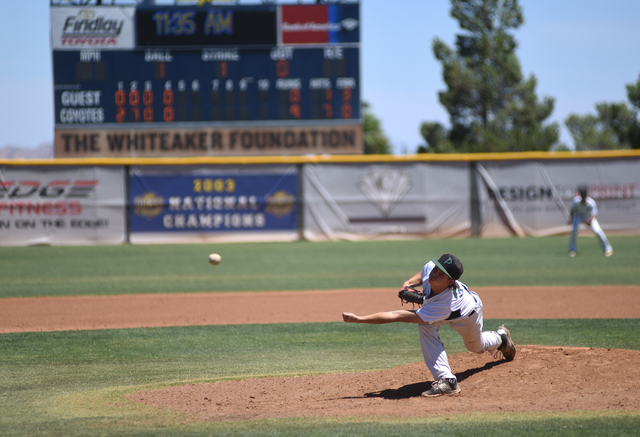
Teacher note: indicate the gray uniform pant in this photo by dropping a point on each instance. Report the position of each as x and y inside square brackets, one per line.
[469, 328]
[594, 226]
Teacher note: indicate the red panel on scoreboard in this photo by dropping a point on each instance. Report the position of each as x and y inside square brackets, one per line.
[308, 24]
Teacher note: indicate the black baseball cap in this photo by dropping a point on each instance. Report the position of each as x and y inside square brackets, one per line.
[582, 189]
[450, 265]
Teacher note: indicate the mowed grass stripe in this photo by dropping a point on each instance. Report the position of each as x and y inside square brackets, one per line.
[177, 278]
[96, 270]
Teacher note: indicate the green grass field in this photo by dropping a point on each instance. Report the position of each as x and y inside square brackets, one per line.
[90, 270]
[73, 382]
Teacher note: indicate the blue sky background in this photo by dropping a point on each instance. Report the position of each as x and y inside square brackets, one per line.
[581, 51]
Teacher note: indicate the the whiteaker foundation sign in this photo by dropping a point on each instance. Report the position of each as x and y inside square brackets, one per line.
[226, 141]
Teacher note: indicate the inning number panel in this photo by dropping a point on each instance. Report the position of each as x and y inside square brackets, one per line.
[204, 85]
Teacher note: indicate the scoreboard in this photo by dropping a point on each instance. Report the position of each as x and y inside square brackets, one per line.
[167, 86]
[211, 80]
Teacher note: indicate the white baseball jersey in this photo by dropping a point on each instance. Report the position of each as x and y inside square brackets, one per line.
[460, 308]
[454, 302]
[584, 210]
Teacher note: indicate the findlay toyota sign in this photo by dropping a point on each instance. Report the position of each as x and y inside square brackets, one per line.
[74, 28]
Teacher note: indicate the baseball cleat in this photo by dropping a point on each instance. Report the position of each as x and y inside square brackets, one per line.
[508, 347]
[572, 254]
[445, 386]
[608, 252]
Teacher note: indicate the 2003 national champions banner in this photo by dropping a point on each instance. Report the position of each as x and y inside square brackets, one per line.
[202, 204]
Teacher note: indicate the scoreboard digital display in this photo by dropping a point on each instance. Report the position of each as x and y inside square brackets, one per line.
[206, 27]
[262, 69]
[162, 85]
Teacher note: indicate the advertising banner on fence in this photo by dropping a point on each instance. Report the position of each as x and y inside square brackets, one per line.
[368, 201]
[92, 28]
[213, 204]
[533, 197]
[62, 205]
[227, 141]
[320, 24]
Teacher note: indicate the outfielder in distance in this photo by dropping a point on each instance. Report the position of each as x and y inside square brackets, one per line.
[444, 299]
[584, 210]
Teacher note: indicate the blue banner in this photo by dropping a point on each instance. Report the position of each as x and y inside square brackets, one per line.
[213, 203]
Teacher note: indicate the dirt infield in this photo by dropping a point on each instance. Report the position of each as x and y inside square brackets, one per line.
[151, 310]
[539, 379]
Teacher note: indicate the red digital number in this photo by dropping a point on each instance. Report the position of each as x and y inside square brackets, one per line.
[346, 111]
[347, 95]
[224, 69]
[120, 114]
[120, 98]
[167, 114]
[282, 68]
[328, 110]
[328, 95]
[134, 97]
[295, 110]
[147, 114]
[167, 97]
[294, 95]
[147, 98]
[136, 113]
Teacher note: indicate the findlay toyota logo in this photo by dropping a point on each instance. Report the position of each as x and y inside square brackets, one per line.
[86, 14]
[88, 23]
[385, 187]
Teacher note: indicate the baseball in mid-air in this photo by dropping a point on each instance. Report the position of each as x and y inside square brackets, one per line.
[215, 259]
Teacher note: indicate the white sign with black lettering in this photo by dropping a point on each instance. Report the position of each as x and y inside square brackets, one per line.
[103, 27]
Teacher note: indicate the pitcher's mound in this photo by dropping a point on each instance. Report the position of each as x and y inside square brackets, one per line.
[540, 378]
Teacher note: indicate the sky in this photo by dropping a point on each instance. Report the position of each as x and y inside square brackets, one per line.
[581, 52]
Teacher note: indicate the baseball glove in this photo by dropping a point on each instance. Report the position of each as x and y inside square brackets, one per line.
[410, 295]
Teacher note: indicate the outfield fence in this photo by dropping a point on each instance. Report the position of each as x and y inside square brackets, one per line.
[319, 197]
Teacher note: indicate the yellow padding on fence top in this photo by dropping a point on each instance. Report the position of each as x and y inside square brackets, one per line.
[329, 159]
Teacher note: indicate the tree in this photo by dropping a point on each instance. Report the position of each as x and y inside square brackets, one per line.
[375, 141]
[633, 132]
[614, 126]
[435, 134]
[491, 107]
